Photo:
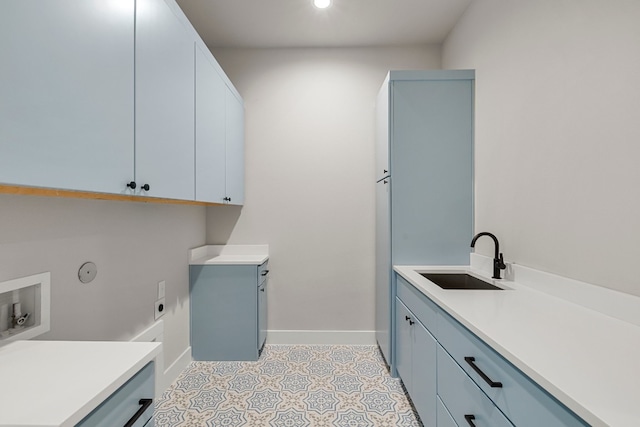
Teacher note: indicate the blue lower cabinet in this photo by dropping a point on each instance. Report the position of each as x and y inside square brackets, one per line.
[467, 404]
[443, 415]
[228, 311]
[403, 349]
[416, 362]
[262, 314]
[131, 405]
[524, 402]
[466, 374]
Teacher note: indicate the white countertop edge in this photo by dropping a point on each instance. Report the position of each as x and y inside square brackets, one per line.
[154, 351]
[67, 359]
[229, 254]
[431, 291]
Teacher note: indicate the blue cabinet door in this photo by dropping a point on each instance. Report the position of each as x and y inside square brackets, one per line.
[66, 94]
[432, 170]
[382, 132]
[210, 131]
[234, 148]
[403, 349]
[224, 312]
[384, 298]
[164, 90]
[262, 314]
[424, 373]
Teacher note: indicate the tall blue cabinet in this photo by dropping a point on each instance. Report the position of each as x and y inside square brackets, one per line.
[424, 178]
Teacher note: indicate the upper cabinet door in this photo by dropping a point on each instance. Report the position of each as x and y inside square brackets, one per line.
[164, 88]
[234, 149]
[382, 132]
[432, 162]
[210, 131]
[66, 79]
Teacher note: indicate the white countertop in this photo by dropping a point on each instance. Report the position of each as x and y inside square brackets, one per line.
[588, 360]
[58, 383]
[229, 254]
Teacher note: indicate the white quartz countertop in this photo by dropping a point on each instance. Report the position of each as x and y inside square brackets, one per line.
[588, 360]
[58, 383]
[229, 254]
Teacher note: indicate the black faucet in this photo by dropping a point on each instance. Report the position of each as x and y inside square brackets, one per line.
[498, 261]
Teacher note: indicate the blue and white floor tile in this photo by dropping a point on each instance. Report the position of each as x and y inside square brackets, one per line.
[290, 386]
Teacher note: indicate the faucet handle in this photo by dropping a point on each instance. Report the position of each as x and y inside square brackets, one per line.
[501, 264]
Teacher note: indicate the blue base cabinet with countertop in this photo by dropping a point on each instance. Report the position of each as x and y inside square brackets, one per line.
[228, 311]
[424, 178]
[131, 405]
[469, 383]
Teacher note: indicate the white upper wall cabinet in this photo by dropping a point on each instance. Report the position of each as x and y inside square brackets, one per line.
[210, 131]
[164, 97]
[66, 84]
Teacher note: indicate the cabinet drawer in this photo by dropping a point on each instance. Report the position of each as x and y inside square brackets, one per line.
[463, 399]
[443, 415]
[263, 272]
[424, 309]
[521, 399]
[124, 404]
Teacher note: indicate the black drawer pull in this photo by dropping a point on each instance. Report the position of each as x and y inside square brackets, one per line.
[484, 376]
[264, 272]
[407, 318]
[145, 404]
[470, 419]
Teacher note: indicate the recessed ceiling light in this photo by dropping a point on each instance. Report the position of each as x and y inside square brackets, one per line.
[322, 4]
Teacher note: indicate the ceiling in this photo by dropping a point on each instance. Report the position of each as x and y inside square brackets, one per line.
[297, 23]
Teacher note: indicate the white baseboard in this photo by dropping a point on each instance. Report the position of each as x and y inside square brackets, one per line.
[155, 333]
[176, 368]
[164, 377]
[321, 337]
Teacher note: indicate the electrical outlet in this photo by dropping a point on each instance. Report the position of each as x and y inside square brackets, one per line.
[161, 287]
[159, 308]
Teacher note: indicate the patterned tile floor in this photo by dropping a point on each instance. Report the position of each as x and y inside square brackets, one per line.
[290, 386]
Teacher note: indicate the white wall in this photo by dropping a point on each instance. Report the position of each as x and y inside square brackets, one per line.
[134, 245]
[557, 132]
[310, 177]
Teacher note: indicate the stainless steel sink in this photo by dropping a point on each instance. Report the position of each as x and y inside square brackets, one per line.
[458, 281]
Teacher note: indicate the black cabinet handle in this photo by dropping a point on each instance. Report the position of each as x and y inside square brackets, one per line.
[145, 404]
[264, 272]
[470, 419]
[227, 199]
[132, 185]
[145, 187]
[384, 171]
[484, 376]
[411, 322]
[407, 318]
[262, 289]
[385, 182]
